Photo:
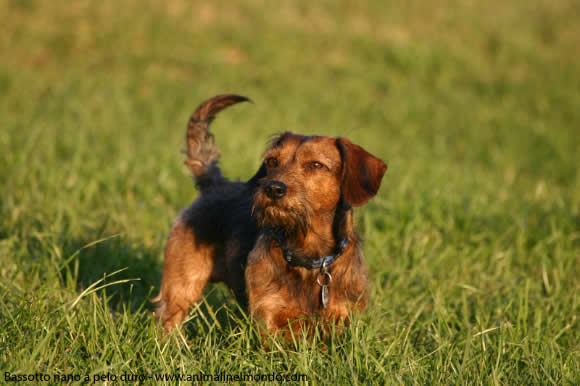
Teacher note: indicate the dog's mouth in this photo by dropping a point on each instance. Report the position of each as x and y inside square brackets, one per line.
[271, 213]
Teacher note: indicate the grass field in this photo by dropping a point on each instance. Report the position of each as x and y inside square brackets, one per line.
[473, 243]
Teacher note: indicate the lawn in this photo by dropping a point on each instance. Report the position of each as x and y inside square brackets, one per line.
[472, 244]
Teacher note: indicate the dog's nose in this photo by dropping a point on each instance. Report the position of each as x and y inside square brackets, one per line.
[275, 190]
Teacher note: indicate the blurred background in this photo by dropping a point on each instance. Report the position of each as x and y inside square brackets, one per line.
[474, 105]
[466, 88]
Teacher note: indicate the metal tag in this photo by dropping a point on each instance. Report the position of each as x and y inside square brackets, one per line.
[324, 296]
[326, 279]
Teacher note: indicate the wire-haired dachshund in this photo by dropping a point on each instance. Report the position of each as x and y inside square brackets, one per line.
[283, 241]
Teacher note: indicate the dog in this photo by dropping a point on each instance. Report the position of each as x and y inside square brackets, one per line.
[283, 241]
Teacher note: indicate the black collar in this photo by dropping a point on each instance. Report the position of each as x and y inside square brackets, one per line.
[304, 261]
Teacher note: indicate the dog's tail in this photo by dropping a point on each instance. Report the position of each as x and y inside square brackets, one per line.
[201, 150]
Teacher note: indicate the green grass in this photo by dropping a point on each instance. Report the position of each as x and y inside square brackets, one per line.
[473, 243]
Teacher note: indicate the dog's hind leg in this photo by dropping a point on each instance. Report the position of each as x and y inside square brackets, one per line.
[186, 272]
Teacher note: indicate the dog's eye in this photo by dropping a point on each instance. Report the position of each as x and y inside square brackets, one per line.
[314, 165]
[271, 162]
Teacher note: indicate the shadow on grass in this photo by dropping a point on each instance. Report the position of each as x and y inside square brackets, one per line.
[138, 271]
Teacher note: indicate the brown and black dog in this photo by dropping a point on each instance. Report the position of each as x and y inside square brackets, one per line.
[283, 241]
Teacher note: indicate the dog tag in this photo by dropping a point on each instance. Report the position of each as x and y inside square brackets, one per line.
[326, 279]
[324, 296]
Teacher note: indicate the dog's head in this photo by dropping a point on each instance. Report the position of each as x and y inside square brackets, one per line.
[308, 176]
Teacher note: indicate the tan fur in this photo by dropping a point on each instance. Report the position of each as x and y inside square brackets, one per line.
[187, 270]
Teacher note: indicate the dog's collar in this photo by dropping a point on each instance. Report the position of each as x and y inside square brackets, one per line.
[297, 260]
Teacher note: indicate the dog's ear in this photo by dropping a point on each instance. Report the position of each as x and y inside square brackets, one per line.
[362, 172]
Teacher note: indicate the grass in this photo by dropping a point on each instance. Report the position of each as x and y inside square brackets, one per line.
[473, 243]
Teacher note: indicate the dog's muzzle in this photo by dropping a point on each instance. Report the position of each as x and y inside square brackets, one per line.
[275, 190]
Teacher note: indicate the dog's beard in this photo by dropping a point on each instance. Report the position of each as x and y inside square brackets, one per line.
[291, 220]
